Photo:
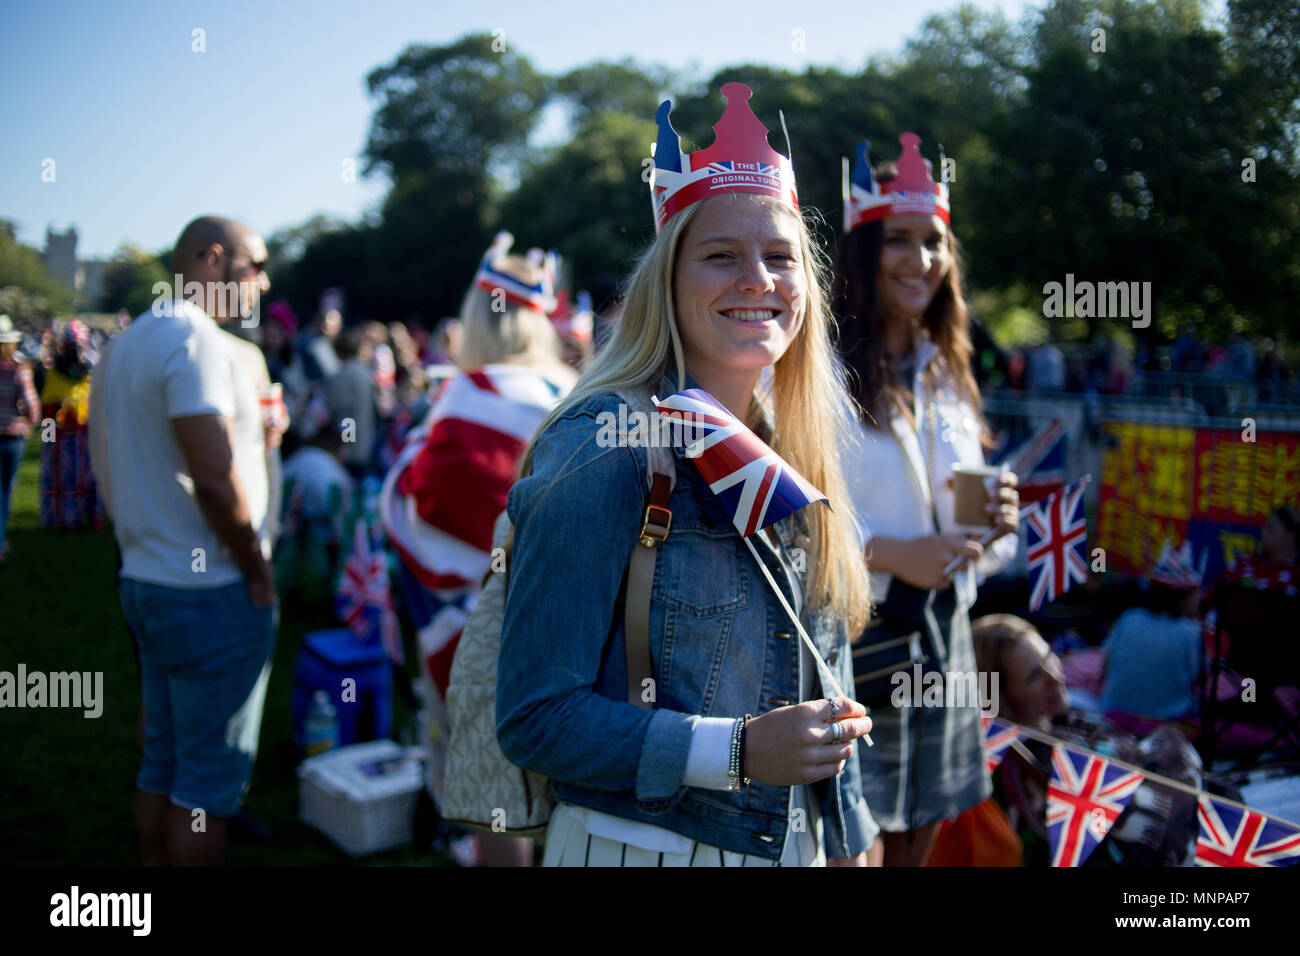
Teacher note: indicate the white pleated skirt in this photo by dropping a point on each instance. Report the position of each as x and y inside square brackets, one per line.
[569, 842]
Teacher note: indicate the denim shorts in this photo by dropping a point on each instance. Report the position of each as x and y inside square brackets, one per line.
[205, 659]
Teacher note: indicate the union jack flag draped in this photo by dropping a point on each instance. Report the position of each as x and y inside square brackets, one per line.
[998, 736]
[1235, 836]
[363, 601]
[1084, 798]
[1055, 533]
[752, 481]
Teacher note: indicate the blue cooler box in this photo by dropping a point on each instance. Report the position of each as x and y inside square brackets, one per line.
[325, 660]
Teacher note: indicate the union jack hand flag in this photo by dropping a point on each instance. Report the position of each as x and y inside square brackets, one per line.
[1085, 796]
[755, 485]
[1054, 537]
[363, 601]
[998, 736]
[1235, 836]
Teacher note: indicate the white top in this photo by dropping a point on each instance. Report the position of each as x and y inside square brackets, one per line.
[891, 486]
[164, 367]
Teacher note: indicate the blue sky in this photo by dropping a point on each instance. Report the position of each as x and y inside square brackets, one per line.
[145, 133]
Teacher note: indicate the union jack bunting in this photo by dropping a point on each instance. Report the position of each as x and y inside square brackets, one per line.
[1235, 836]
[753, 483]
[1085, 796]
[1054, 537]
[998, 736]
[363, 601]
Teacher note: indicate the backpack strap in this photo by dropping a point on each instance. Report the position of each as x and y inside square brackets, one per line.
[661, 476]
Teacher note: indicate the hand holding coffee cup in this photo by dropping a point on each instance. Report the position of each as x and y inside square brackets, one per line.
[1004, 506]
[984, 498]
[973, 488]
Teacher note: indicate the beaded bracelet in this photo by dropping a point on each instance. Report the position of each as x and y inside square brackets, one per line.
[736, 770]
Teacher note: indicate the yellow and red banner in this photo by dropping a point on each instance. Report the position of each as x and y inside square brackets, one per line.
[1212, 486]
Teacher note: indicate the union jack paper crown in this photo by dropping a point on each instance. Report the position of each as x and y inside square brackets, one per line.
[756, 486]
[1177, 569]
[738, 161]
[913, 190]
[540, 296]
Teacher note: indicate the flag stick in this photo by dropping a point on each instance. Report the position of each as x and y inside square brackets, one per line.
[821, 664]
[955, 563]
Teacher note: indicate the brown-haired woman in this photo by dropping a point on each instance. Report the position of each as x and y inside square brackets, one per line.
[904, 338]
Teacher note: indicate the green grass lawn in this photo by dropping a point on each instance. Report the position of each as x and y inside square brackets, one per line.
[68, 781]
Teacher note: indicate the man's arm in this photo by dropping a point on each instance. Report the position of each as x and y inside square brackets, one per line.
[97, 427]
[205, 443]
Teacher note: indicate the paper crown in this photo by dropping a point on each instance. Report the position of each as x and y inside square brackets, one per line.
[739, 160]
[1177, 569]
[913, 190]
[540, 296]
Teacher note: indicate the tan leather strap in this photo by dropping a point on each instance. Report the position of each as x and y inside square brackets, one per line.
[640, 580]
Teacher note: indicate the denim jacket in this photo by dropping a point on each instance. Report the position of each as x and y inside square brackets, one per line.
[721, 645]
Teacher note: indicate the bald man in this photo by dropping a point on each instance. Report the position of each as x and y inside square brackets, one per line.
[179, 441]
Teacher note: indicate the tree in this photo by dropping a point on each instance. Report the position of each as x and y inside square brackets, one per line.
[31, 291]
[451, 121]
[1121, 165]
[460, 108]
[623, 87]
[129, 279]
[588, 199]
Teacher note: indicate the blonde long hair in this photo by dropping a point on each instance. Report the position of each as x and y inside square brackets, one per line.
[805, 395]
[515, 335]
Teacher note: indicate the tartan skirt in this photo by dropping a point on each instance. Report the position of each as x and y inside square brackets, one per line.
[928, 762]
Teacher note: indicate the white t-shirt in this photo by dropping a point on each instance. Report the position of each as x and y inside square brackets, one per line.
[891, 481]
[161, 368]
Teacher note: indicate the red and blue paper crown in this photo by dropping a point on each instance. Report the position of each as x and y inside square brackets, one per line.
[540, 296]
[913, 190]
[738, 161]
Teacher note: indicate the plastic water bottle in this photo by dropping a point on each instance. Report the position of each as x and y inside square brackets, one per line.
[321, 729]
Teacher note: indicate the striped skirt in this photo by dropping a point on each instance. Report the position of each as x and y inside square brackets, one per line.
[569, 843]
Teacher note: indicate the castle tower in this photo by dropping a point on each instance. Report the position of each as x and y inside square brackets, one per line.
[61, 255]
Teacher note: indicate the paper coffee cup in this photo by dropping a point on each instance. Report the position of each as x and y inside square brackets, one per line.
[972, 486]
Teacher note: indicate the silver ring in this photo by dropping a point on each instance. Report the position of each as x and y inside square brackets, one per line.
[835, 710]
[837, 732]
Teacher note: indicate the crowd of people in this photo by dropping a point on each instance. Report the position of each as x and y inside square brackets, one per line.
[211, 436]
